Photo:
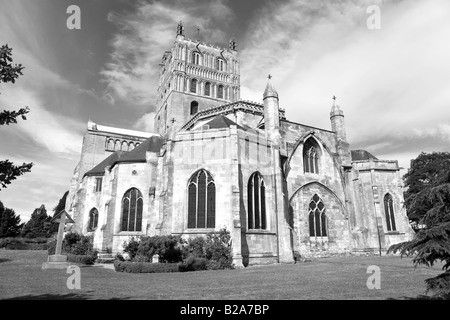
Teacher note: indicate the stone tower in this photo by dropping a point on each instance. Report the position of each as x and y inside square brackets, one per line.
[193, 77]
[338, 126]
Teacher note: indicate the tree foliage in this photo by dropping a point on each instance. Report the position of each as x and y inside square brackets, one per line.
[10, 225]
[37, 225]
[432, 243]
[10, 73]
[427, 171]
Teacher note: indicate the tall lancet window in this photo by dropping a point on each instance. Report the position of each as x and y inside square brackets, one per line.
[93, 220]
[207, 89]
[194, 85]
[220, 92]
[132, 205]
[389, 212]
[256, 190]
[201, 201]
[311, 156]
[196, 58]
[317, 218]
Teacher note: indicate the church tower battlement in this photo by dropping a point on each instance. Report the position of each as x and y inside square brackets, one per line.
[194, 77]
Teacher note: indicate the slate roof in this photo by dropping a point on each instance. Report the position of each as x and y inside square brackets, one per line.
[99, 170]
[221, 122]
[138, 154]
[360, 155]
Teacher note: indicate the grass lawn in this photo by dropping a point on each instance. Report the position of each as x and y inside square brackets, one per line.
[21, 277]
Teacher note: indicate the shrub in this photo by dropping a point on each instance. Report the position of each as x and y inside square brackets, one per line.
[193, 264]
[144, 267]
[84, 259]
[23, 244]
[216, 249]
[195, 247]
[75, 244]
[166, 247]
[131, 247]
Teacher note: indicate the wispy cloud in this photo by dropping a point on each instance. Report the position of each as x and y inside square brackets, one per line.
[391, 83]
[144, 34]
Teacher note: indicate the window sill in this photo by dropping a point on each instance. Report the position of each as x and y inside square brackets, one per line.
[393, 233]
[129, 233]
[318, 238]
[260, 231]
[197, 231]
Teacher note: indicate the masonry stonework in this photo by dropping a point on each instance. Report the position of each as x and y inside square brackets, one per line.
[277, 186]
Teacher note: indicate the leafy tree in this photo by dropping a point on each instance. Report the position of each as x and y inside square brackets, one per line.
[36, 226]
[432, 243]
[10, 225]
[9, 73]
[59, 207]
[427, 171]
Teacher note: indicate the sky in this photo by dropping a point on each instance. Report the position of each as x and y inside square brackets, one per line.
[392, 83]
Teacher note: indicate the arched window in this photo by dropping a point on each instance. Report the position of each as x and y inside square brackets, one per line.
[124, 146]
[311, 156]
[194, 85]
[389, 211]
[207, 89]
[196, 58]
[117, 145]
[132, 205]
[194, 107]
[317, 218]
[110, 146]
[256, 190]
[131, 146]
[93, 220]
[201, 201]
[220, 92]
[220, 64]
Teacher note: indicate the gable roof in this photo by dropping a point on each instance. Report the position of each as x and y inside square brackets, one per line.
[221, 122]
[361, 155]
[99, 170]
[138, 154]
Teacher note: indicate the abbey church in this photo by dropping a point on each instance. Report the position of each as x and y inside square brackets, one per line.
[216, 161]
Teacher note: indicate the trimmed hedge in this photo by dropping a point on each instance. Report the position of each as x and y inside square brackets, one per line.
[84, 259]
[193, 264]
[23, 244]
[144, 267]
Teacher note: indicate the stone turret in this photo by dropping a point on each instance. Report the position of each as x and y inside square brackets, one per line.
[272, 113]
[337, 121]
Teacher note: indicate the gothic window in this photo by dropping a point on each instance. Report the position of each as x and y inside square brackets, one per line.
[389, 211]
[93, 220]
[256, 190]
[311, 157]
[194, 85]
[132, 205]
[98, 184]
[196, 58]
[220, 92]
[207, 89]
[317, 218]
[194, 107]
[201, 201]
